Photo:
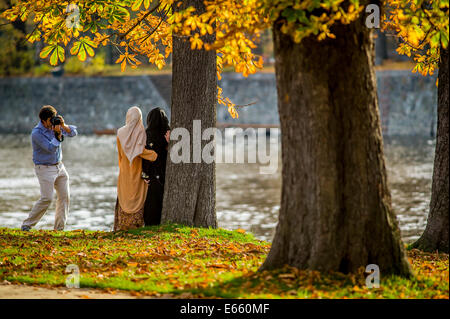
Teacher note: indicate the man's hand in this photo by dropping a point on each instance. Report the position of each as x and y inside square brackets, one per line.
[63, 124]
[57, 129]
[58, 133]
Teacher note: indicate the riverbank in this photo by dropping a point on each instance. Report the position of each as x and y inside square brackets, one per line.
[407, 101]
[184, 262]
[115, 70]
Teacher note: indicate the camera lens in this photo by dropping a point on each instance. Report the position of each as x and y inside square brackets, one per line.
[55, 120]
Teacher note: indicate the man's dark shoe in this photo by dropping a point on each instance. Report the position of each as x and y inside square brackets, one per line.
[25, 228]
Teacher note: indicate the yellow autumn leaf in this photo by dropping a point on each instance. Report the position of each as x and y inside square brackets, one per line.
[196, 42]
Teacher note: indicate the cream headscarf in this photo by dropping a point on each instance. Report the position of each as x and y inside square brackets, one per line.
[132, 136]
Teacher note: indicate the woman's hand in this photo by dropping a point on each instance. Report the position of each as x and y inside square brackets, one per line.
[167, 136]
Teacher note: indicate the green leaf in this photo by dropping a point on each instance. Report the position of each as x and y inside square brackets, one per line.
[289, 14]
[136, 5]
[35, 36]
[89, 42]
[435, 39]
[61, 53]
[82, 54]
[89, 50]
[83, 48]
[75, 48]
[444, 39]
[120, 14]
[46, 51]
[57, 54]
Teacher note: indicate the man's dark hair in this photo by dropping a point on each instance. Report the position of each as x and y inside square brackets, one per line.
[46, 112]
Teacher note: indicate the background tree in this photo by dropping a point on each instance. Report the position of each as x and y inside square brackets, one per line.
[15, 56]
[423, 29]
[335, 209]
[190, 189]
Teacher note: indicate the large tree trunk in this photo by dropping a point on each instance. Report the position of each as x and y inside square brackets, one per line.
[435, 236]
[190, 189]
[335, 205]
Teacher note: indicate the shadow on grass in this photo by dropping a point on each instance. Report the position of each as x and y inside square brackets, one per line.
[147, 232]
[214, 233]
[280, 283]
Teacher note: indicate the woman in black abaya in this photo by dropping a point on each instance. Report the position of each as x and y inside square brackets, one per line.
[154, 173]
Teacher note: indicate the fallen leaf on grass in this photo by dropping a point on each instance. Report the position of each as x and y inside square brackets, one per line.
[291, 276]
[219, 266]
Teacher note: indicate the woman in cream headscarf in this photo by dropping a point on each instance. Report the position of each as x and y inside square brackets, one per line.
[131, 188]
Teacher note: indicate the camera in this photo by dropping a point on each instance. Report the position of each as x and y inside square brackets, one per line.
[56, 120]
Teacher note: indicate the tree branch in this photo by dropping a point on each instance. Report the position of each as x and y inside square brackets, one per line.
[154, 30]
[34, 29]
[6, 23]
[122, 36]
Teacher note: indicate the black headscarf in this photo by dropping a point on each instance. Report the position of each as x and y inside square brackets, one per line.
[157, 126]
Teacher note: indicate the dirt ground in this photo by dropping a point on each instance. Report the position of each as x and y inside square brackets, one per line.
[13, 291]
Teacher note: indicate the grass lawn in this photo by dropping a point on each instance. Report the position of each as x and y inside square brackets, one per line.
[194, 262]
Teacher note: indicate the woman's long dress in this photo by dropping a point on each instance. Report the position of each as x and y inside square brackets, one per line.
[157, 174]
[131, 190]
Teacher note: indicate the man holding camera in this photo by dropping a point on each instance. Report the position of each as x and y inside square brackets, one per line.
[46, 139]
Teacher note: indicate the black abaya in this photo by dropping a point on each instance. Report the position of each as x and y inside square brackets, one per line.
[157, 126]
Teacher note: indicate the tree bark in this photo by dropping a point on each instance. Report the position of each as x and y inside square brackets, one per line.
[435, 236]
[190, 189]
[335, 209]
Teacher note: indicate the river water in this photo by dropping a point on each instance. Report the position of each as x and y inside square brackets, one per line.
[245, 198]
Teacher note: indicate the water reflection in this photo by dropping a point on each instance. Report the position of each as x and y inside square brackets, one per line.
[245, 198]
